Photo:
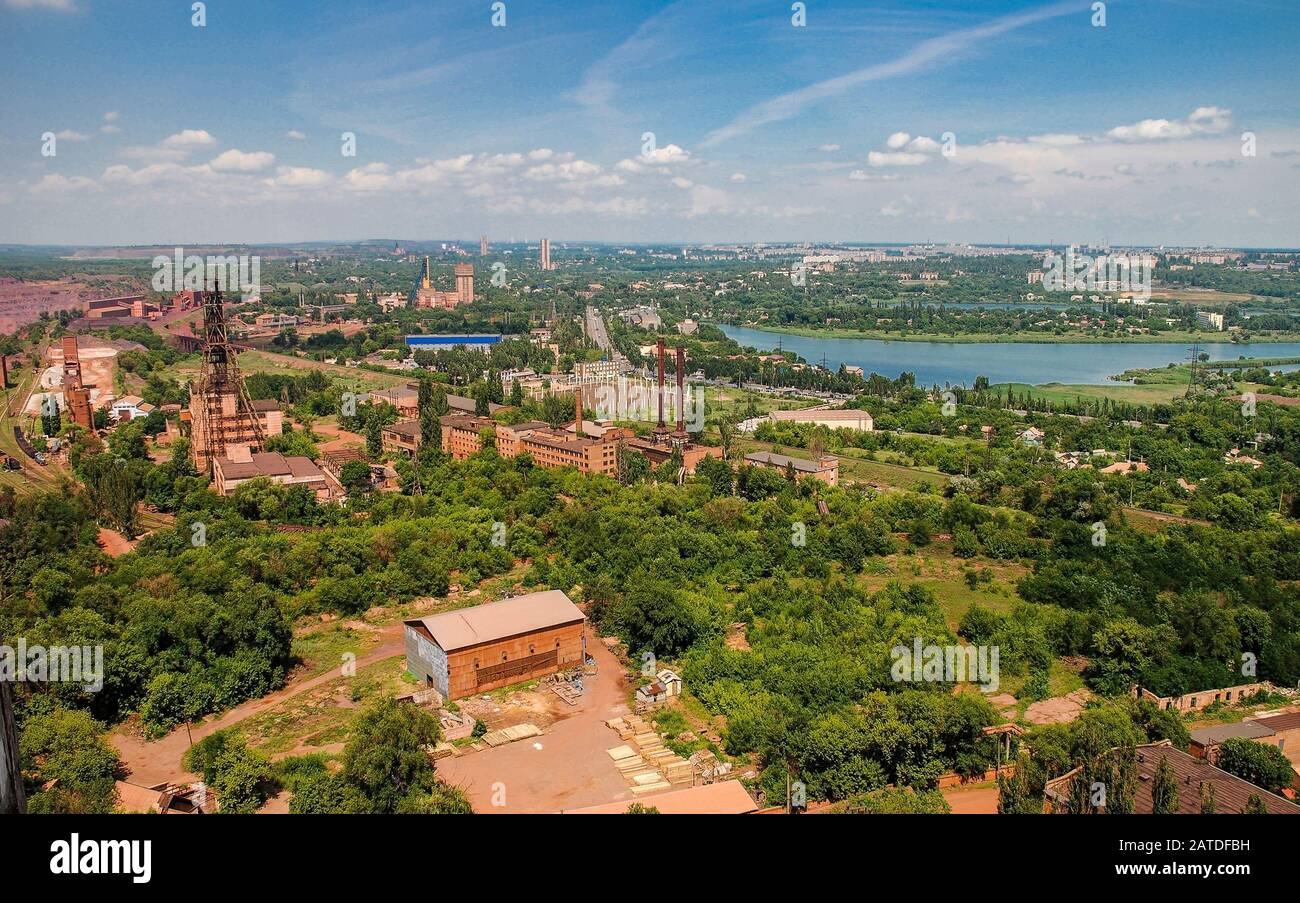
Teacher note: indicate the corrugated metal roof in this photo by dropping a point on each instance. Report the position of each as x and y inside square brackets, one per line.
[1220, 732]
[1285, 722]
[499, 620]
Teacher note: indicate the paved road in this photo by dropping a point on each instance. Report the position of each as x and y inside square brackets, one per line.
[596, 330]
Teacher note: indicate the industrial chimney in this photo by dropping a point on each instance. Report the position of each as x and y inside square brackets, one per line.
[681, 390]
[659, 351]
[577, 411]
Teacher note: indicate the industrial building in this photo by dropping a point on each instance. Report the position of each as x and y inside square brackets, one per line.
[241, 465]
[75, 393]
[1196, 779]
[403, 436]
[448, 342]
[826, 468]
[462, 436]
[850, 418]
[222, 416]
[130, 407]
[426, 296]
[590, 446]
[486, 647]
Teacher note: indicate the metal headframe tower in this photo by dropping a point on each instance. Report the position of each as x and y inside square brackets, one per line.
[219, 378]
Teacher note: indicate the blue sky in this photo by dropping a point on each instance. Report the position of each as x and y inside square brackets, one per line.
[762, 131]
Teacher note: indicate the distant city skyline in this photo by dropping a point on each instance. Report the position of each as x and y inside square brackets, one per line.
[639, 122]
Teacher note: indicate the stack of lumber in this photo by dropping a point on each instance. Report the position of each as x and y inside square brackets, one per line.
[511, 734]
[620, 727]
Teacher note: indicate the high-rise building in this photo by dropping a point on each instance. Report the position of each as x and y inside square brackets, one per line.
[482, 246]
[546, 254]
[464, 283]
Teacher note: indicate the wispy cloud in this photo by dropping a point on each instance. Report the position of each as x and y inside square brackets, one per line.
[62, 6]
[928, 52]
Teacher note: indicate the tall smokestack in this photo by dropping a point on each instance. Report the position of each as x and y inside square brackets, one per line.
[577, 411]
[659, 351]
[681, 389]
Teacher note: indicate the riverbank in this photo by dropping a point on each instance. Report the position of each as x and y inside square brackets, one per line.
[982, 338]
[1033, 363]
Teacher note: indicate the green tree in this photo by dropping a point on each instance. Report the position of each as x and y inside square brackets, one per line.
[1164, 790]
[1255, 806]
[1259, 763]
[387, 753]
[355, 476]
[69, 765]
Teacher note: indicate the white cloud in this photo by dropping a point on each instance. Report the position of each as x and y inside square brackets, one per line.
[371, 177]
[563, 172]
[541, 153]
[62, 6]
[897, 140]
[235, 160]
[110, 118]
[878, 158]
[55, 184]
[298, 177]
[70, 135]
[828, 148]
[668, 155]
[740, 176]
[944, 48]
[153, 153]
[155, 172]
[189, 138]
[706, 200]
[1202, 121]
[295, 135]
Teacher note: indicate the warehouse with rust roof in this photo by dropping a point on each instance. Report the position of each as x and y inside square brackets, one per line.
[474, 650]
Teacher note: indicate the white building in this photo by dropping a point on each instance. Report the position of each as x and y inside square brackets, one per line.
[129, 407]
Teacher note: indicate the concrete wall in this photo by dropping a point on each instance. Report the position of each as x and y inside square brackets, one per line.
[426, 661]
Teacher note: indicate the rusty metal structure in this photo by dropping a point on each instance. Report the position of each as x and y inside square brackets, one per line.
[661, 428]
[75, 392]
[221, 410]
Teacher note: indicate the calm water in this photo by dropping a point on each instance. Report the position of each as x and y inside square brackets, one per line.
[954, 363]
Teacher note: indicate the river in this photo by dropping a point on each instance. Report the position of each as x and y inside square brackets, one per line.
[958, 363]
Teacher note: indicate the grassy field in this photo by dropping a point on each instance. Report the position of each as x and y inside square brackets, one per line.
[856, 468]
[937, 569]
[733, 403]
[1146, 394]
[320, 717]
[270, 362]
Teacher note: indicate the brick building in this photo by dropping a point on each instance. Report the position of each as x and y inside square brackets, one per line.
[240, 465]
[826, 468]
[1195, 779]
[474, 650]
[403, 436]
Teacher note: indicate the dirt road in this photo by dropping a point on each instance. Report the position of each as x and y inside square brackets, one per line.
[571, 769]
[153, 762]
